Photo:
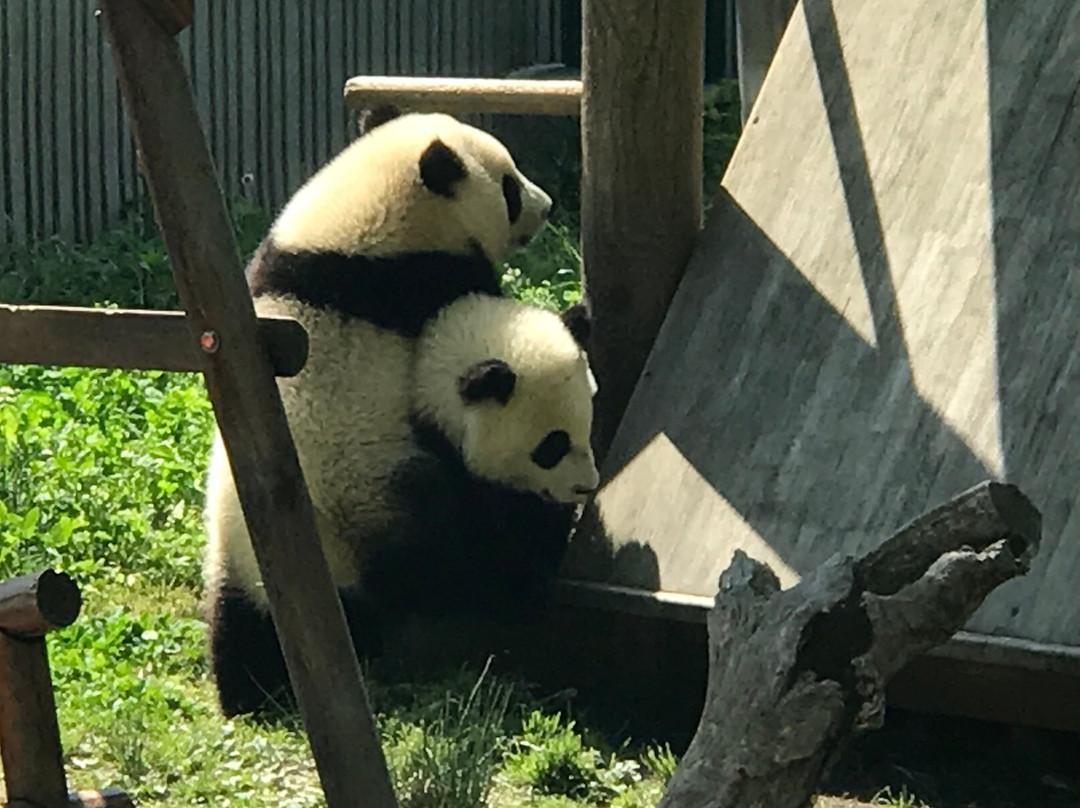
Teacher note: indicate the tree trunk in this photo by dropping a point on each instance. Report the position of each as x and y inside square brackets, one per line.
[792, 674]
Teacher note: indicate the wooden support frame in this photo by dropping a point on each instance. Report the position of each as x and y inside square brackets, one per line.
[458, 96]
[30, 751]
[131, 339]
[304, 603]
[643, 71]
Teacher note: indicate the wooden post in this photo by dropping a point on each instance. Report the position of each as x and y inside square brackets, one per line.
[457, 96]
[641, 194]
[33, 761]
[759, 24]
[280, 518]
[133, 339]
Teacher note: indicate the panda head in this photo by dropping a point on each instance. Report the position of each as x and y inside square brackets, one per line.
[416, 183]
[510, 386]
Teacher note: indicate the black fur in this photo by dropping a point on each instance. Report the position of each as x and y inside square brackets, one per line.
[245, 655]
[578, 320]
[491, 378]
[464, 545]
[369, 119]
[459, 545]
[512, 194]
[399, 293]
[441, 169]
[551, 449]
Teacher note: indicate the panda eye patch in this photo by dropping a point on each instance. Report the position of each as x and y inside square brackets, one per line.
[551, 449]
[512, 194]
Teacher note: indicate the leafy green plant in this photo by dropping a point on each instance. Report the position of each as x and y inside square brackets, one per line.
[721, 126]
[102, 470]
[126, 265]
[548, 273]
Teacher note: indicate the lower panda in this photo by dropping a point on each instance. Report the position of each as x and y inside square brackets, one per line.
[470, 511]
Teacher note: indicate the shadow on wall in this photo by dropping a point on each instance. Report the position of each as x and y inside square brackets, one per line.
[822, 440]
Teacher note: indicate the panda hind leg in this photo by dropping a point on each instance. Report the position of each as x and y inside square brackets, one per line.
[245, 657]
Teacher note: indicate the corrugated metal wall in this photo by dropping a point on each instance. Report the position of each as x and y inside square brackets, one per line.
[267, 76]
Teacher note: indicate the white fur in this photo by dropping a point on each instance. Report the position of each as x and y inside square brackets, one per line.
[369, 200]
[347, 410]
[553, 391]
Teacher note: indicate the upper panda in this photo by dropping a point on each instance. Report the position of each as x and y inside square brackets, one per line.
[412, 215]
[409, 218]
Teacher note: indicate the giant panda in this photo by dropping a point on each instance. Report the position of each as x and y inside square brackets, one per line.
[501, 412]
[470, 513]
[409, 218]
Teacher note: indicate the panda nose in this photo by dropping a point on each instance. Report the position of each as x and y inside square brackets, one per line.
[583, 490]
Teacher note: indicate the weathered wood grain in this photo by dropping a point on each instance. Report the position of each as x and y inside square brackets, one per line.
[883, 309]
[133, 339]
[641, 193]
[794, 674]
[198, 234]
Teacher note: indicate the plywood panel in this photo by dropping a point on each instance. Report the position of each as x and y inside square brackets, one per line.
[883, 309]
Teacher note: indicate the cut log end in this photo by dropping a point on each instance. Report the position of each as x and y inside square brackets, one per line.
[34, 604]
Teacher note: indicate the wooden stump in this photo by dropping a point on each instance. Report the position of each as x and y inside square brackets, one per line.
[793, 673]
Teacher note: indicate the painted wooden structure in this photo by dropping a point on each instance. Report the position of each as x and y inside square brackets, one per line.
[883, 309]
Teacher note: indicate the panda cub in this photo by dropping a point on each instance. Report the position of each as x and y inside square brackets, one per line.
[502, 415]
[409, 219]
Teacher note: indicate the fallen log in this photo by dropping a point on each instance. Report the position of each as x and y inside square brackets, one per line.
[794, 673]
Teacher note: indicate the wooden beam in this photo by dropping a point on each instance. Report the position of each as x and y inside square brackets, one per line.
[304, 604]
[759, 25]
[172, 15]
[33, 604]
[641, 193]
[458, 96]
[131, 339]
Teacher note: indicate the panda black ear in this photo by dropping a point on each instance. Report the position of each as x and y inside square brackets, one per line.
[441, 169]
[578, 320]
[491, 378]
[376, 116]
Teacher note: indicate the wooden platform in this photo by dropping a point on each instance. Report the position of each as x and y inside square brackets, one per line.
[883, 310]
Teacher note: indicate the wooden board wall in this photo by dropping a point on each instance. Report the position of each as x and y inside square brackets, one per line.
[883, 309]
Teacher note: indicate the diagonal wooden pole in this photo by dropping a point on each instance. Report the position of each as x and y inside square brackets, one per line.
[239, 378]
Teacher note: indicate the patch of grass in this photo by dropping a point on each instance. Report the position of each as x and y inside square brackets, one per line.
[444, 752]
[549, 762]
[902, 800]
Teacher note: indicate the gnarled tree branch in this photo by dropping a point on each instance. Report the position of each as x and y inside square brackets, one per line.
[793, 673]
